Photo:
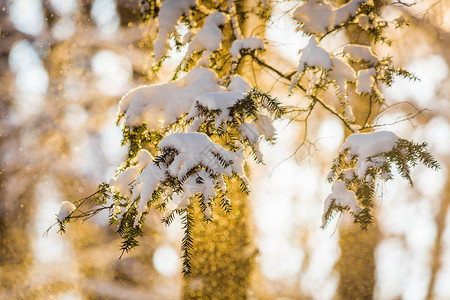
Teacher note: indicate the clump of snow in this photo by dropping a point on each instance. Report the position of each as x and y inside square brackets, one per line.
[265, 127]
[121, 182]
[169, 13]
[198, 149]
[208, 38]
[193, 186]
[159, 105]
[217, 19]
[312, 56]
[319, 17]
[221, 101]
[143, 158]
[341, 73]
[347, 11]
[368, 150]
[366, 79]
[192, 151]
[316, 15]
[355, 127]
[366, 145]
[238, 84]
[361, 53]
[65, 210]
[251, 134]
[144, 186]
[251, 43]
[340, 197]
[349, 112]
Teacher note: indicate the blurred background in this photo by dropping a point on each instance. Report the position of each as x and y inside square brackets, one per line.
[64, 64]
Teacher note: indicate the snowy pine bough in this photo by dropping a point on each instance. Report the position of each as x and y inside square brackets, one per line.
[363, 158]
[188, 139]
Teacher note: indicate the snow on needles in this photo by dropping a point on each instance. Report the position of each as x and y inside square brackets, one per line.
[251, 43]
[366, 145]
[65, 210]
[319, 17]
[368, 150]
[198, 149]
[209, 37]
[361, 53]
[341, 73]
[341, 197]
[159, 105]
[169, 13]
[366, 79]
[312, 56]
[221, 101]
[121, 182]
[193, 151]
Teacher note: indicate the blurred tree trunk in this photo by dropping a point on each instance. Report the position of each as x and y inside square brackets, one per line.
[223, 254]
[356, 265]
[437, 250]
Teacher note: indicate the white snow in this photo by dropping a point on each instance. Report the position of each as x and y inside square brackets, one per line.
[216, 101]
[341, 73]
[191, 187]
[366, 145]
[222, 101]
[198, 149]
[360, 52]
[318, 16]
[249, 132]
[265, 127]
[349, 113]
[219, 100]
[217, 19]
[143, 158]
[347, 11]
[193, 150]
[366, 79]
[169, 13]
[65, 210]
[251, 43]
[121, 183]
[312, 56]
[144, 186]
[159, 105]
[342, 198]
[238, 84]
[208, 38]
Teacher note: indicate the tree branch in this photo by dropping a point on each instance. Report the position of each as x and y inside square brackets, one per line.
[314, 98]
